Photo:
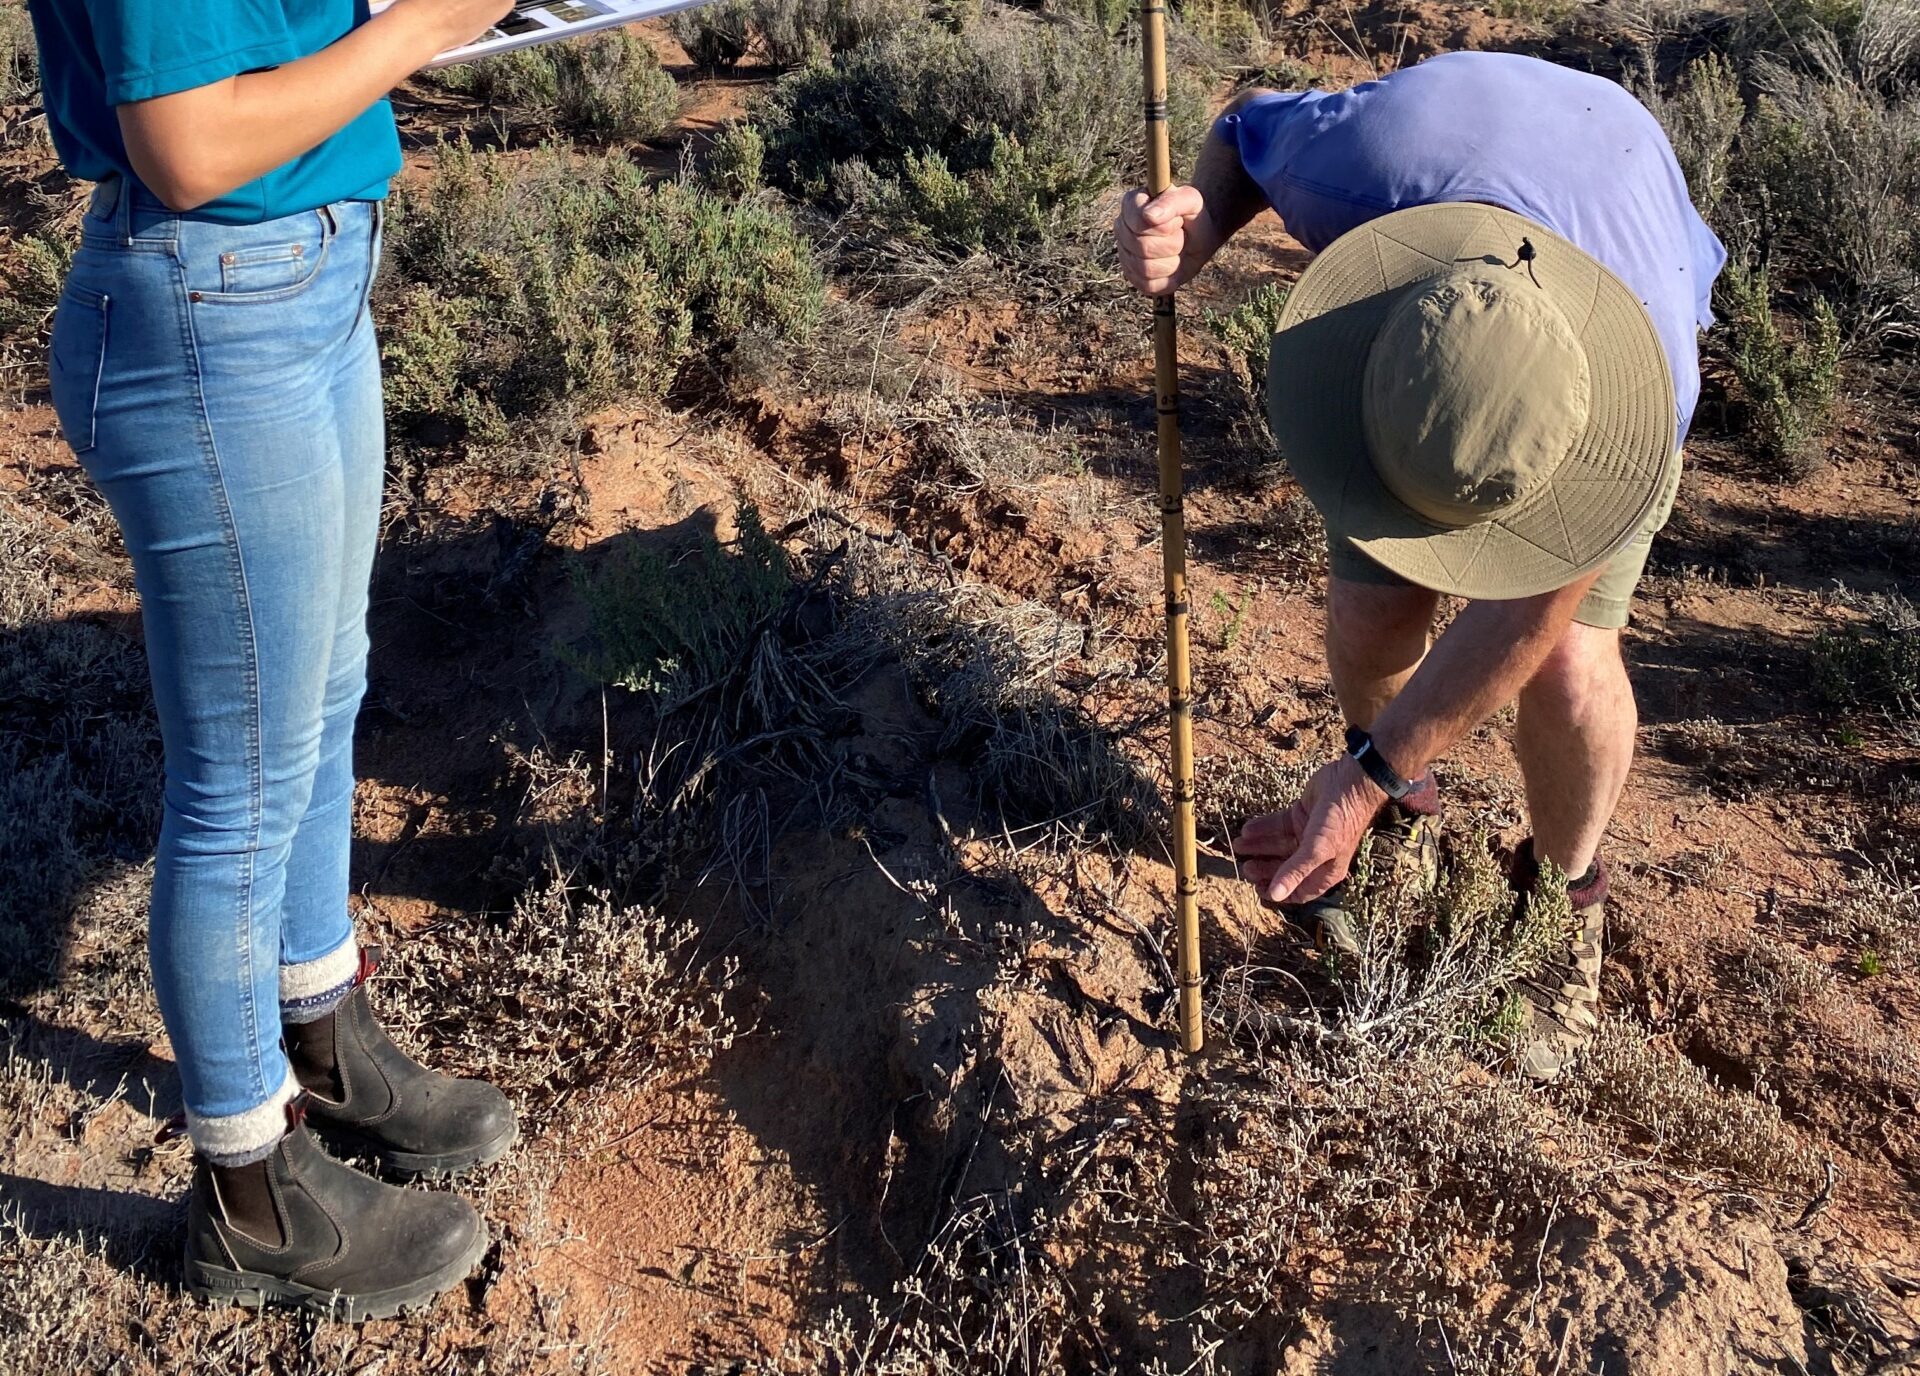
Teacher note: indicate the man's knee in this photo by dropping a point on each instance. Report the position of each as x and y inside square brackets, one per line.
[1582, 669]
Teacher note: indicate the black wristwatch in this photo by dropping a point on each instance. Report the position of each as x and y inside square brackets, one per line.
[1365, 754]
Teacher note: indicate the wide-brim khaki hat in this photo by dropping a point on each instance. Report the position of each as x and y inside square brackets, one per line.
[1475, 403]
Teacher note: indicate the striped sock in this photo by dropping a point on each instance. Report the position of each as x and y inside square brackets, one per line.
[314, 988]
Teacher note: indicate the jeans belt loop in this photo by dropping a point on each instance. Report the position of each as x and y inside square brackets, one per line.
[110, 203]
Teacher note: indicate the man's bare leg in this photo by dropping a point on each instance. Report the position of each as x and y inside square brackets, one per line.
[1377, 634]
[1575, 737]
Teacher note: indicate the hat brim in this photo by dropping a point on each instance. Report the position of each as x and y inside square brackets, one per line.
[1597, 499]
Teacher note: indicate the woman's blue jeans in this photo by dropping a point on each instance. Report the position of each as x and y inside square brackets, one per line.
[221, 386]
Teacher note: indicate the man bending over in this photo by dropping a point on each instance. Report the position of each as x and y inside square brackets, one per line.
[1482, 383]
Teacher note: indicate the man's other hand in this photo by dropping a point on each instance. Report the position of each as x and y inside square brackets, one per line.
[1152, 235]
[1299, 854]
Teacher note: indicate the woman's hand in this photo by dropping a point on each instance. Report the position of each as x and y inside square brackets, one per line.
[1152, 235]
[1299, 854]
[454, 22]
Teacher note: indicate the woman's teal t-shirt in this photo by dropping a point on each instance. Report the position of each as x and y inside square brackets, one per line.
[97, 54]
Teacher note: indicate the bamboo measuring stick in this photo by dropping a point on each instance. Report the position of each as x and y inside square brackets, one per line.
[1173, 545]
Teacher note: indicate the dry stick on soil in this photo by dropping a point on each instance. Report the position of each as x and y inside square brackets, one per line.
[1173, 544]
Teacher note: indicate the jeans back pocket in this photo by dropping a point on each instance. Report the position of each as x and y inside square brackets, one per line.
[77, 360]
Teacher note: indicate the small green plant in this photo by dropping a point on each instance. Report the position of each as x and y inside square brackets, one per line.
[1235, 32]
[1874, 662]
[1247, 333]
[669, 627]
[1232, 615]
[1871, 964]
[33, 271]
[737, 161]
[1790, 385]
[19, 58]
[1702, 118]
[786, 33]
[1543, 14]
[611, 87]
[990, 138]
[573, 278]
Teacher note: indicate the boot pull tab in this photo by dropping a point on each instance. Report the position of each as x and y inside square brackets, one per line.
[370, 958]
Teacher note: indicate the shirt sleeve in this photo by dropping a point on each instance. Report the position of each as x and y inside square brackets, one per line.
[148, 49]
[1265, 132]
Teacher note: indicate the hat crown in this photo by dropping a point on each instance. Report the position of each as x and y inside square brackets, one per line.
[1476, 389]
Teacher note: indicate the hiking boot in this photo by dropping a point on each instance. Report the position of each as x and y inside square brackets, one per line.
[301, 1230]
[1406, 845]
[1562, 1000]
[367, 1095]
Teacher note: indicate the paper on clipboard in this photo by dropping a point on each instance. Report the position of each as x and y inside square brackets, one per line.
[542, 21]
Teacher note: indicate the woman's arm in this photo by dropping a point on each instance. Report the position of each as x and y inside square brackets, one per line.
[196, 146]
[1165, 241]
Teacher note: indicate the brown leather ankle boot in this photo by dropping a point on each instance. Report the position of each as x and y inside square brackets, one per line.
[368, 1095]
[301, 1230]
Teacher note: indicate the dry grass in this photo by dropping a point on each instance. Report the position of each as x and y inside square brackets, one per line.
[79, 750]
[1675, 1111]
[570, 1002]
[991, 668]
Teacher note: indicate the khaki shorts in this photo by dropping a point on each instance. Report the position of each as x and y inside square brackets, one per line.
[1606, 604]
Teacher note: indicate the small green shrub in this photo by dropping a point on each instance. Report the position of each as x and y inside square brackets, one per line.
[994, 137]
[1702, 119]
[736, 164]
[568, 277]
[1872, 663]
[1824, 185]
[609, 87]
[1236, 33]
[1543, 14]
[786, 33]
[1801, 147]
[1789, 384]
[1247, 333]
[33, 271]
[19, 59]
[670, 627]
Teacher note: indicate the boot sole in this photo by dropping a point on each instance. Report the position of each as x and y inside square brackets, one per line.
[218, 1286]
[407, 1165]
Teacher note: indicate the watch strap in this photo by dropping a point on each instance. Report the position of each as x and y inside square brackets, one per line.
[1375, 765]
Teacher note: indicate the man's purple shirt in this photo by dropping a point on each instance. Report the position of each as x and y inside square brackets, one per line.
[1574, 152]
